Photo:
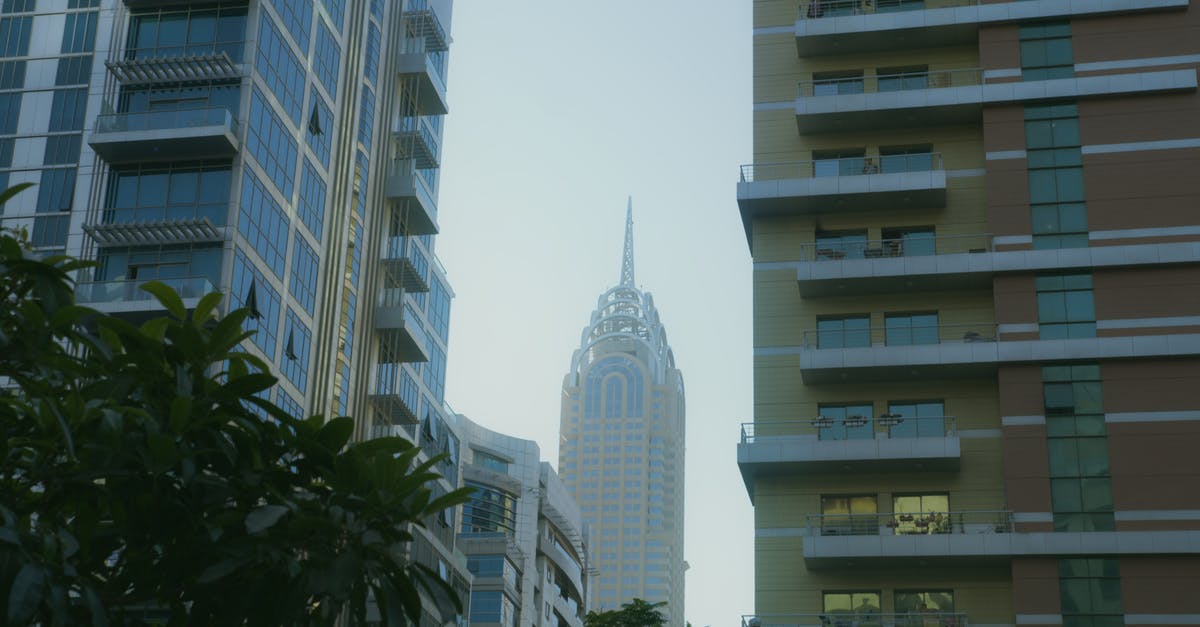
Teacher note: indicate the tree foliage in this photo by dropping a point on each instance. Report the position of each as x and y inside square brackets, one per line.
[141, 476]
[636, 613]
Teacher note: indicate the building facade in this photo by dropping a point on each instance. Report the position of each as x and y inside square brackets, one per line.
[282, 152]
[522, 533]
[976, 268]
[622, 447]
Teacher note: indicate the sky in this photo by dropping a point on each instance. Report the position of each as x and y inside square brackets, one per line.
[559, 111]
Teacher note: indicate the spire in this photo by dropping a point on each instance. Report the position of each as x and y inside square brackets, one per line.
[627, 258]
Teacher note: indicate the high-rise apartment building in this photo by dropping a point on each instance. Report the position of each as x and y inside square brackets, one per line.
[975, 232]
[621, 447]
[282, 152]
[522, 534]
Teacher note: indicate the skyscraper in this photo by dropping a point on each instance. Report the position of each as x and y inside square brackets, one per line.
[621, 447]
[283, 152]
[976, 344]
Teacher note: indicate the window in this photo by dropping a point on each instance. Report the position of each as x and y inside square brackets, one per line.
[294, 363]
[1076, 439]
[849, 515]
[491, 606]
[62, 149]
[921, 514]
[10, 112]
[179, 31]
[71, 71]
[490, 510]
[844, 331]
[12, 74]
[80, 32]
[337, 11]
[903, 78]
[924, 602]
[297, 15]
[490, 462]
[304, 274]
[910, 329]
[908, 242]
[845, 422]
[1055, 162]
[289, 405]
[371, 59]
[837, 83]
[1046, 51]
[1090, 592]
[320, 143]
[271, 145]
[839, 162]
[18, 6]
[861, 602]
[841, 244]
[263, 223]
[67, 110]
[266, 301]
[56, 191]
[366, 118]
[327, 58]
[906, 159]
[280, 69]
[917, 419]
[1065, 306]
[178, 191]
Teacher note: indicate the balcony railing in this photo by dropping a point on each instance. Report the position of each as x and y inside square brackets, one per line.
[906, 335]
[825, 428]
[910, 246]
[130, 290]
[216, 213]
[842, 166]
[910, 523]
[817, 9]
[165, 120]
[881, 83]
[925, 618]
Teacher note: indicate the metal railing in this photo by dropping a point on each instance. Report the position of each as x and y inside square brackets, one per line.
[910, 523]
[825, 428]
[896, 247]
[129, 290]
[909, 335]
[434, 61]
[398, 248]
[217, 213]
[419, 127]
[842, 166]
[234, 49]
[164, 120]
[879, 83]
[924, 618]
[817, 9]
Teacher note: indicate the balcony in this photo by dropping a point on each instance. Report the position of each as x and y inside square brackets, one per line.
[165, 135]
[841, 184]
[405, 265]
[954, 96]
[864, 619]
[422, 22]
[855, 444]
[901, 100]
[418, 141]
[955, 351]
[126, 298]
[968, 538]
[413, 193]
[840, 27]
[401, 333]
[152, 69]
[423, 80]
[149, 226]
[916, 261]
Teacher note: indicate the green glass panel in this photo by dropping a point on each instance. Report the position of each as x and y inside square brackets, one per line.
[1065, 495]
[1092, 457]
[1065, 131]
[1052, 307]
[1064, 457]
[1039, 134]
[1095, 494]
[1089, 397]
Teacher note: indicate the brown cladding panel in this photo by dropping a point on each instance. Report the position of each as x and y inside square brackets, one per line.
[1151, 117]
[1008, 197]
[1015, 301]
[1151, 385]
[1146, 292]
[999, 47]
[1146, 189]
[1160, 34]
[1035, 586]
[1004, 129]
[1155, 466]
[1159, 585]
[1020, 389]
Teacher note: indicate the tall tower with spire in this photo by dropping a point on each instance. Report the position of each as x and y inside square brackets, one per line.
[621, 451]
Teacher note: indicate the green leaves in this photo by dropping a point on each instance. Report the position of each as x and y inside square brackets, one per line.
[141, 469]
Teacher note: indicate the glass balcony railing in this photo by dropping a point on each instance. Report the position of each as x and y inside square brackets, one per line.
[165, 120]
[817, 9]
[912, 245]
[829, 429]
[910, 523]
[216, 213]
[882, 83]
[125, 291]
[843, 166]
[899, 331]
[836, 618]
[233, 49]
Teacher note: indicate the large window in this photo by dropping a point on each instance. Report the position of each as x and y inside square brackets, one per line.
[251, 289]
[1090, 592]
[845, 422]
[491, 462]
[304, 274]
[849, 515]
[911, 419]
[153, 99]
[844, 331]
[906, 159]
[841, 244]
[1066, 308]
[297, 14]
[180, 191]
[924, 602]
[271, 145]
[921, 513]
[492, 606]
[179, 30]
[837, 83]
[1046, 51]
[1076, 439]
[850, 602]
[294, 364]
[908, 329]
[160, 263]
[493, 566]
[846, 162]
[280, 68]
[903, 78]
[909, 242]
[263, 223]
[490, 510]
[1055, 163]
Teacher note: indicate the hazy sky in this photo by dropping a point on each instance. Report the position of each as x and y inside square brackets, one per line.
[560, 109]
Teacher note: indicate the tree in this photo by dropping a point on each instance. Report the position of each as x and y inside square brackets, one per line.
[141, 476]
[636, 613]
